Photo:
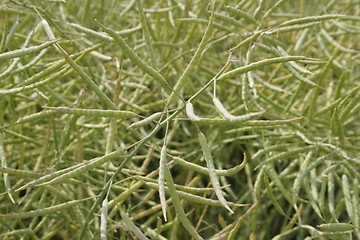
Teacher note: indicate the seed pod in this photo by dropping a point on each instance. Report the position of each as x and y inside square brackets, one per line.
[145, 121]
[104, 214]
[43, 211]
[25, 51]
[212, 172]
[94, 112]
[231, 117]
[162, 167]
[190, 112]
[336, 227]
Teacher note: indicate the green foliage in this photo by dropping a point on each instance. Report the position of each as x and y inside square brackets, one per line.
[179, 119]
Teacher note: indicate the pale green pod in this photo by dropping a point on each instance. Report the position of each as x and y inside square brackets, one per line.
[153, 234]
[292, 66]
[11, 71]
[228, 20]
[21, 136]
[291, 28]
[93, 112]
[146, 121]
[313, 230]
[100, 197]
[336, 227]
[257, 65]
[292, 63]
[329, 54]
[4, 165]
[65, 71]
[103, 222]
[304, 171]
[231, 117]
[20, 232]
[329, 170]
[250, 76]
[312, 201]
[12, 32]
[331, 195]
[43, 211]
[219, 121]
[20, 173]
[25, 51]
[48, 30]
[258, 187]
[135, 58]
[269, 85]
[203, 170]
[48, 177]
[245, 91]
[336, 44]
[132, 227]
[87, 166]
[313, 184]
[290, 168]
[72, 171]
[55, 67]
[192, 197]
[161, 180]
[269, 149]
[212, 172]
[331, 106]
[87, 79]
[241, 14]
[347, 196]
[286, 154]
[346, 27]
[194, 60]
[248, 39]
[36, 116]
[270, 170]
[355, 203]
[190, 112]
[272, 196]
[91, 32]
[192, 190]
[350, 106]
[311, 19]
[146, 34]
[340, 131]
[300, 41]
[177, 204]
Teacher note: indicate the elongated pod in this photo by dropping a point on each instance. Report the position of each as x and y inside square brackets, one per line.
[104, 214]
[177, 204]
[145, 121]
[212, 172]
[203, 170]
[190, 112]
[25, 51]
[94, 112]
[131, 225]
[136, 59]
[44, 211]
[336, 227]
[231, 117]
[162, 180]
